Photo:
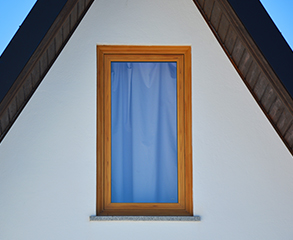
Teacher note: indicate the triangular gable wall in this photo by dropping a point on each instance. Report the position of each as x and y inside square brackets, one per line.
[242, 172]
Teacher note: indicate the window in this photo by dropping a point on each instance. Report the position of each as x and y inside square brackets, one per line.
[144, 152]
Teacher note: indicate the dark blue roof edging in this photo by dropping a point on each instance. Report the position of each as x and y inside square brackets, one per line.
[268, 39]
[26, 40]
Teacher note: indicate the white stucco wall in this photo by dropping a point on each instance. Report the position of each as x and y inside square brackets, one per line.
[243, 173]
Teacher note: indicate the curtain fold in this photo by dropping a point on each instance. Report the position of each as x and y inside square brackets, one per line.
[144, 132]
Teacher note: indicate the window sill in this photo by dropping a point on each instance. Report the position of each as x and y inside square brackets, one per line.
[146, 218]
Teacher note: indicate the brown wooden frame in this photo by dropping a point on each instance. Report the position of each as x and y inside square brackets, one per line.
[181, 55]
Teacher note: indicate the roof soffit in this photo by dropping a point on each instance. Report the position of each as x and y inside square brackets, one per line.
[254, 69]
[40, 62]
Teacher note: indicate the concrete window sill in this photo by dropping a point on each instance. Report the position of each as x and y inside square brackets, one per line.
[146, 218]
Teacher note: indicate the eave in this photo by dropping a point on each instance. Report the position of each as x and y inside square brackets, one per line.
[254, 69]
[40, 61]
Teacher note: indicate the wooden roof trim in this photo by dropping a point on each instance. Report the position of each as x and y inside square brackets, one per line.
[254, 69]
[40, 62]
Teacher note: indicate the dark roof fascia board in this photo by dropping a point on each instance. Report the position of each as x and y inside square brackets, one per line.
[40, 61]
[26, 40]
[252, 66]
[267, 37]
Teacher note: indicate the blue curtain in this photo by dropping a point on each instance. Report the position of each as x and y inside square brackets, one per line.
[144, 132]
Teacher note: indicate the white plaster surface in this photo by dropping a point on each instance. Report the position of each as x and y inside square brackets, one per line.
[243, 173]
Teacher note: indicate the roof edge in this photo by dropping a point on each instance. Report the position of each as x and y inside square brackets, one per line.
[40, 62]
[252, 66]
[243, 52]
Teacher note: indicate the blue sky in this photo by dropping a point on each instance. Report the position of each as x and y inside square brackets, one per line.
[281, 13]
[13, 12]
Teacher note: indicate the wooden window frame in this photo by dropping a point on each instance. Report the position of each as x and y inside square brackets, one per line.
[182, 56]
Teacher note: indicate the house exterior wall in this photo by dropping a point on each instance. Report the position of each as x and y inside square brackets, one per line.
[242, 172]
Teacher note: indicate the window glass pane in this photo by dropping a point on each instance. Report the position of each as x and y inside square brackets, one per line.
[144, 132]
